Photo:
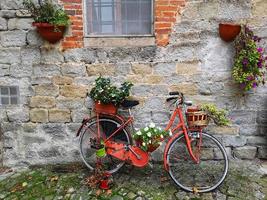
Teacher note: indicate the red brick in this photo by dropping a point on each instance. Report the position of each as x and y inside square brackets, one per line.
[71, 1]
[160, 25]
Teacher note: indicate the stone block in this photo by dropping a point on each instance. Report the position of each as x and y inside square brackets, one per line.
[186, 88]
[166, 69]
[262, 152]
[262, 117]
[149, 90]
[62, 80]
[143, 69]
[17, 23]
[50, 152]
[73, 91]
[46, 90]
[14, 38]
[54, 130]
[4, 70]
[46, 70]
[86, 55]
[59, 115]
[100, 69]
[11, 5]
[78, 115]
[243, 116]
[235, 141]
[246, 152]
[188, 68]
[30, 55]
[3, 24]
[19, 114]
[69, 103]
[3, 116]
[51, 56]
[263, 129]
[135, 79]
[73, 69]
[7, 53]
[257, 140]
[20, 70]
[29, 127]
[42, 102]
[33, 38]
[223, 130]
[85, 80]
[154, 79]
[36, 80]
[39, 115]
[252, 129]
[259, 8]
[7, 14]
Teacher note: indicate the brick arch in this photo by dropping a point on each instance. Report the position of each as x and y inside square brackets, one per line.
[166, 12]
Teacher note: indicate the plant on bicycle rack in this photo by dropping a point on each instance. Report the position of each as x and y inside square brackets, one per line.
[250, 61]
[150, 137]
[106, 93]
[218, 115]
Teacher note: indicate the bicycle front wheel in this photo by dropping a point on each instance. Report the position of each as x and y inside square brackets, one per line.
[90, 135]
[203, 176]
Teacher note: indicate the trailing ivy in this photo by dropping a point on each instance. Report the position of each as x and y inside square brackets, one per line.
[217, 115]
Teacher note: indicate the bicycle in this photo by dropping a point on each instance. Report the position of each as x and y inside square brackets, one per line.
[195, 160]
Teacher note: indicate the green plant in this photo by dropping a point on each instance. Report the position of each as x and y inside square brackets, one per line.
[150, 136]
[250, 62]
[107, 93]
[217, 115]
[47, 13]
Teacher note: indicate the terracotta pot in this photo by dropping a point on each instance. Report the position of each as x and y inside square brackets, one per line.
[150, 147]
[105, 108]
[228, 31]
[50, 32]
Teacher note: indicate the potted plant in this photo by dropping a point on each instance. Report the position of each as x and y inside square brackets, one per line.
[217, 115]
[249, 69]
[150, 137]
[50, 20]
[229, 31]
[107, 96]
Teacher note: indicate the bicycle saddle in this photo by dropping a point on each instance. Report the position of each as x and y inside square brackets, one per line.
[129, 103]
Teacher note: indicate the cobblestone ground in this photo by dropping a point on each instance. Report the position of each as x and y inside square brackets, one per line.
[245, 181]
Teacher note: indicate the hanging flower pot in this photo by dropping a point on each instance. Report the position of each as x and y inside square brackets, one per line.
[50, 32]
[229, 31]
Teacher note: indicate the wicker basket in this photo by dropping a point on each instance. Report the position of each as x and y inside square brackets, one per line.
[197, 118]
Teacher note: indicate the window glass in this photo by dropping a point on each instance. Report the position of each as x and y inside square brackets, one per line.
[119, 17]
[9, 95]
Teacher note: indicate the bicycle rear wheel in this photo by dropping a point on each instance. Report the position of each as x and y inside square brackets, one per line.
[90, 135]
[204, 176]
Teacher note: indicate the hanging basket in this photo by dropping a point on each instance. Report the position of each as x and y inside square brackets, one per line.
[228, 31]
[105, 108]
[50, 32]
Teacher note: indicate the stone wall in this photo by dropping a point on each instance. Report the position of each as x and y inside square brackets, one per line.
[53, 84]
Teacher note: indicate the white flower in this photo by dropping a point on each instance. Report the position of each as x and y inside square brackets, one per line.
[149, 134]
[159, 128]
[146, 129]
[144, 144]
[138, 133]
[149, 141]
[170, 132]
[161, 136]
[160, 143]
[152, 125]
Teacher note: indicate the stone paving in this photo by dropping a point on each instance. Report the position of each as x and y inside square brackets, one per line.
[245, 181]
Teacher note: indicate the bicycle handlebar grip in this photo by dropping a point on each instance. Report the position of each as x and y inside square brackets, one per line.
[171, 98]
[174, 93]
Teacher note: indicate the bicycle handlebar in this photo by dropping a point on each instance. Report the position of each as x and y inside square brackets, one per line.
[177, 95]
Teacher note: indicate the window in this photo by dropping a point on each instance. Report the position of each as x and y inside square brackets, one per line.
[9, 95]
[119, 17]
